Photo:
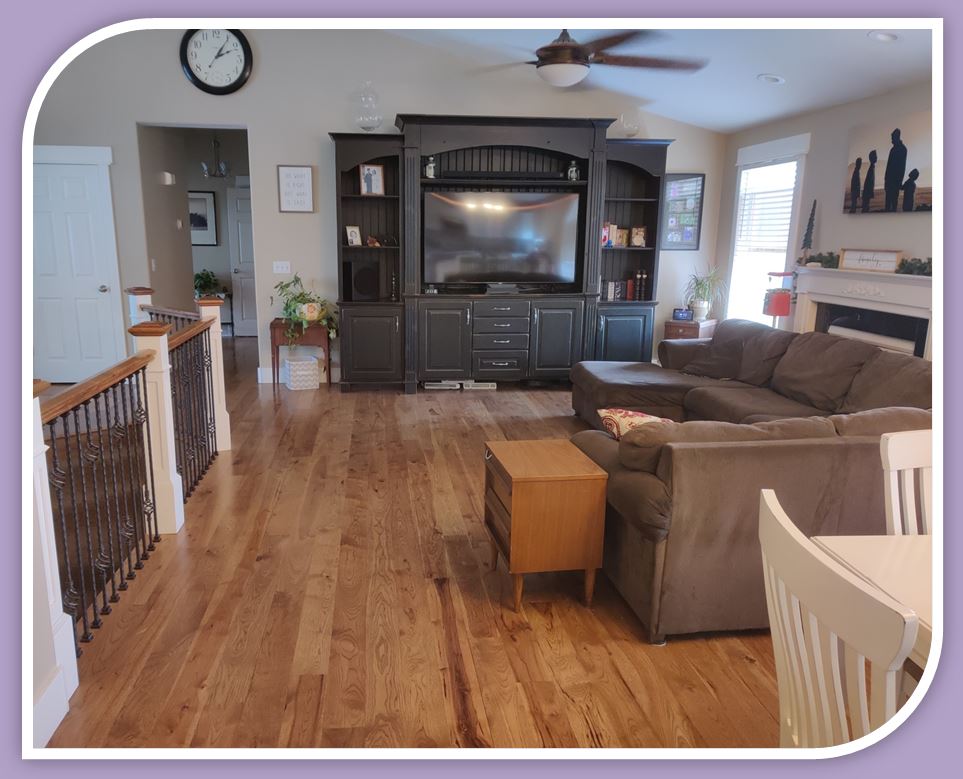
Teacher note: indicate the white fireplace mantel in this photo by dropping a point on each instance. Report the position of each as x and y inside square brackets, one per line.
[894, 293]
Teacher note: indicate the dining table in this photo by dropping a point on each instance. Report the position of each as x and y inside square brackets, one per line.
[899, 565]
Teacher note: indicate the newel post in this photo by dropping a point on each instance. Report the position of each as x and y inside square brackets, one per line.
[169, 493]
[137, 297]
[54, 659]
[210, 308]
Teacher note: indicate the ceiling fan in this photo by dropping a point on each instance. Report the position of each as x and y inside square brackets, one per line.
[565, 62]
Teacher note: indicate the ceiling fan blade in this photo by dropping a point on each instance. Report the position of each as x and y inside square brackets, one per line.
[608, 41]
[503, 66]
[659, 63]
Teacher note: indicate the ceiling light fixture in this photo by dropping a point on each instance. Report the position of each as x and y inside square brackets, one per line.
[562, 74]
[771, 78]
[219, 169]
[882, 37]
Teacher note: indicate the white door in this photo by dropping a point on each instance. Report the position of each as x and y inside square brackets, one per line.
[241, 242]
[77, 316]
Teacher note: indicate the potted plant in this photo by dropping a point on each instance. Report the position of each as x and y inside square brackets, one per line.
[702, 291]
[300, 306]
[206, 283]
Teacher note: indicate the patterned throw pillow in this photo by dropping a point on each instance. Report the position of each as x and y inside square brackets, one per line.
[619, 421]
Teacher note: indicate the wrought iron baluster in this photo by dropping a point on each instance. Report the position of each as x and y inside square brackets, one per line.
[131, 468]
[85, 635]
[200, 392]
[150, 508]
[209, 372]
[140, 461]
[100, 563]
[116, 435]
[186, 383]
[83, 460]
[70, 598]
[108, 493]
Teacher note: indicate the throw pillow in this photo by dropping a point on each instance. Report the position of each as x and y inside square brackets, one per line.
[890, 379]
[723, 359]
[619, 421]
[760, 355]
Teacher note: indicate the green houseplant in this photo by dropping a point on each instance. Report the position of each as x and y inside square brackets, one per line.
[206, 283]
[301, 307]
[702, 290]
[914, 266]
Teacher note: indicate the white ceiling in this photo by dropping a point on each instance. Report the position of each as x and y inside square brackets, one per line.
[821, 67]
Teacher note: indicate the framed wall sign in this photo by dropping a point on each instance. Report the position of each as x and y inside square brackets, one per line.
[203, 218]
[295, 189]
[682, 211]
[878, 260]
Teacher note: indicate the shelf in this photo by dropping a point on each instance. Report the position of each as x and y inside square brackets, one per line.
[370, 197]
[631, 200]
[628, 248]
[627, 302]
[372, 248]
[553, 183]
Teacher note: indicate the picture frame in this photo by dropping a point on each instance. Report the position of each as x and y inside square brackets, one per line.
[682, 205]
[873, 260]
[352, 235]
[638, 236]
[372, 180]
[295, 189]
[202, 217]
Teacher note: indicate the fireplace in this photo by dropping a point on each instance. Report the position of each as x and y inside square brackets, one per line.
[890, 310]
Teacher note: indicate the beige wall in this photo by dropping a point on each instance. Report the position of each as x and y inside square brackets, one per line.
[299, 91]
[825, 177]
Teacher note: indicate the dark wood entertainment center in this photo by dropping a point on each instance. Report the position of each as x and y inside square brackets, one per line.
[395, 332]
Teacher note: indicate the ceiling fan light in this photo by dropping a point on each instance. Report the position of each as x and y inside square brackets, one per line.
[562, 74]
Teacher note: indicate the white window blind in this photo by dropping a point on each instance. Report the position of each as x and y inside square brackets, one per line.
[765, 205]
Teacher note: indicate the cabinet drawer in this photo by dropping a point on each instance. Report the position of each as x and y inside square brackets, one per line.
[499, 522]
[498, 482]
[681, 331]
[500, 365]
[509, 324]
[502, 308]
[502, 342]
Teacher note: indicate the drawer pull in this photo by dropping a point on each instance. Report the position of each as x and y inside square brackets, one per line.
[501, 324]
[501, 340]
[501, 308]
[500, 364]
[488, 454]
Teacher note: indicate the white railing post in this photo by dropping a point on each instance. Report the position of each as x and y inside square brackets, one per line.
[168, 489]
[54, 658]
[137, 297]
[210, 308]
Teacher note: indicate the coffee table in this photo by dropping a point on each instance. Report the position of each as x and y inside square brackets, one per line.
[544, 509]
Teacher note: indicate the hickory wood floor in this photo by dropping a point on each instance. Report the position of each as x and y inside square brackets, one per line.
[331, 588]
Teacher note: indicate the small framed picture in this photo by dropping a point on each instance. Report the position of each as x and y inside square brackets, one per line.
[372, 179]
[637, 238]
[877, 260]
[203, 218]
[295, 189]
[605, 233]
[353, 235]
[622, 236]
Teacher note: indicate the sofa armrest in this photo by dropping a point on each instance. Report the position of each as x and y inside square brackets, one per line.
[600, 447]
[676, 353]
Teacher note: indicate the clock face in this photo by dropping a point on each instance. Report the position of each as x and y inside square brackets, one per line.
[216, 61]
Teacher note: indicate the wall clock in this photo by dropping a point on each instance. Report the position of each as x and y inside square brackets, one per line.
[216, 61]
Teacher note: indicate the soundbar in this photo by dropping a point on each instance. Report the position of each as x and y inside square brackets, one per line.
[502, 174]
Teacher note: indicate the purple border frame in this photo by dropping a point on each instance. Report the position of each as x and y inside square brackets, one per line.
[38, 32]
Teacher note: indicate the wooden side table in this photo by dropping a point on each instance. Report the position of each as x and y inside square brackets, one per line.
[544, 509]
[315, 335]
[678, 329]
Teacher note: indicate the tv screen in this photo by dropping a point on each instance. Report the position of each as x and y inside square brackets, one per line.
[512, 237]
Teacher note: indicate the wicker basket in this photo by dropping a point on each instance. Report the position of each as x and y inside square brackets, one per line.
[303, 373]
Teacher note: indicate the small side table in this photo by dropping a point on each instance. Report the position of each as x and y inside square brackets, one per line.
[544, 509]
[315, 335]
[677, 329]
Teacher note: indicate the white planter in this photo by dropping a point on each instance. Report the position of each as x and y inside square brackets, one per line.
[700, 310]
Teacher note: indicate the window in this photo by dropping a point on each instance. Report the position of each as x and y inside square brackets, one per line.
[765, 204]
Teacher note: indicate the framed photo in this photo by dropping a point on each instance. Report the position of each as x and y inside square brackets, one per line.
[203, 218]
[295, 189]
[682, 211]
[372, 179]
[876, 260]
[637, 237]
[622, 236]
[352, 234]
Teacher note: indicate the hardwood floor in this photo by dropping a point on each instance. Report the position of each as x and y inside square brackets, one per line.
[331, 588]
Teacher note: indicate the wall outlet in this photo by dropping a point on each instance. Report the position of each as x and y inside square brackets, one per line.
[153, 265]
[282, 266]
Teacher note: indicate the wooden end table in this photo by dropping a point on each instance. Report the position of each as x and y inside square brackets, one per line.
[544, 509]
[315, 335]
[675, 328]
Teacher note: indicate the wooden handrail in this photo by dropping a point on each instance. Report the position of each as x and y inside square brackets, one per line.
[39, 385]
[178, 337]
[85, 390]
[171, 312]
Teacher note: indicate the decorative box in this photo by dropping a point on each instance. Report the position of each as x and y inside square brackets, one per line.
[304, 373]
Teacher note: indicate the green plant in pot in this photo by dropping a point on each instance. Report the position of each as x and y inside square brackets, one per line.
[702, 290]
[206, 283]
[301, 308]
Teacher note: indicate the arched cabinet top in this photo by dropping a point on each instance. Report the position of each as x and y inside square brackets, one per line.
[353, 149]
[645, 153]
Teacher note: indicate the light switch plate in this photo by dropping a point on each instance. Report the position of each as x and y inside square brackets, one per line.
[282, 266]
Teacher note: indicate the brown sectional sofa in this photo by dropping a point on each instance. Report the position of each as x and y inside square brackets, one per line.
[801, 414]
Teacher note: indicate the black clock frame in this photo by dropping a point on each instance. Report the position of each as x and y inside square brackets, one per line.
[211, 90]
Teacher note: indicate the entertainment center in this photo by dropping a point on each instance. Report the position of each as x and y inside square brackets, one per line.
[480, 253]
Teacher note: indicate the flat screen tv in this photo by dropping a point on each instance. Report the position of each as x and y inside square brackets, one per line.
[500, 237]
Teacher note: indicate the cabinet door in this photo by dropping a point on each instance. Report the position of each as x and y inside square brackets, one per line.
[371, 344]
[556, 337]
[624, 335]
[444, 339]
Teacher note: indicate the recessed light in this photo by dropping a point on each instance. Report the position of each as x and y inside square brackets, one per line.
[882, 37]
[771, 78]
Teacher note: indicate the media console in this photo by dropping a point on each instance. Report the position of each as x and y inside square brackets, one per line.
[398, 328]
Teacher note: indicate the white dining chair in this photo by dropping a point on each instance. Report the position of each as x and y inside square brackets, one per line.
[827, 624]
[908, 481]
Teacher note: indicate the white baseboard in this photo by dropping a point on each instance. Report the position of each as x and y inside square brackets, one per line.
[49, 709]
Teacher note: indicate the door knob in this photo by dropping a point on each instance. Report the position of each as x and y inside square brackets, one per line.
[236, 270]
[103, 288]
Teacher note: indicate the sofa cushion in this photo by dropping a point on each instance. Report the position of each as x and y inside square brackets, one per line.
[760, 355]
[818, 369]
[735, 404]
[882, 420]
[639, 386]
[723, 358]
[641, 449]
[891, 379]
